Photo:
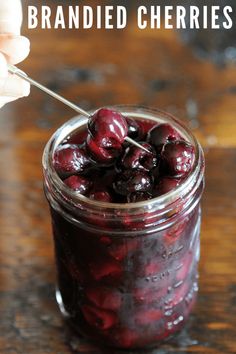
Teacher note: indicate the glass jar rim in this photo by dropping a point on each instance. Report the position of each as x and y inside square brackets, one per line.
[130, 111]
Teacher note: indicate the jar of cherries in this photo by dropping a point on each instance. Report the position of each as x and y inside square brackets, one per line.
[126, 223]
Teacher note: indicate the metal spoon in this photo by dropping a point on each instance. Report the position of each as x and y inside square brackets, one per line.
[15, 71]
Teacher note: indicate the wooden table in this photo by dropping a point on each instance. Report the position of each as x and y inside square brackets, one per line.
[97, 68]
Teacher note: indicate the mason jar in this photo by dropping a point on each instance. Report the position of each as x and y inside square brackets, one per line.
[127, 274]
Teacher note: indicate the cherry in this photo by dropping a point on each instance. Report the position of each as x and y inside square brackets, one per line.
[79, 184]
[136, 158]
[102, 196]
[177, 158]
[102, 319]
[165, 185]
[138, 197]
[100, 154]
[133, 128]
[104, 297]
[160, 134]
[70, 159]
[120, 251]
[104, 269]
[131, 182]
[77, 138]
[108, 128]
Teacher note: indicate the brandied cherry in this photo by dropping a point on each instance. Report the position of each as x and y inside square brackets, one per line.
[134, 131]
[101, 195]
[101, 319]
[136, 158]
[105, 269]
[120, 251]
[79, 184]
[70, 159]
[177, 158]
[131, 182]
[138, 197]
[101, 154]
[108, 128]
[160, 134]
[165, 185]
[104, 297]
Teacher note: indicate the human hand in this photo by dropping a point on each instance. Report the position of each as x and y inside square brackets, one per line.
[14, 48]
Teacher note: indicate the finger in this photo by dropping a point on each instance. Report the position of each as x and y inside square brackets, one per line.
[13, 86]
[15, 48]
[10, 16]
[3, 66]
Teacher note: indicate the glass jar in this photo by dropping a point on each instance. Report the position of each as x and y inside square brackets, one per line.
[127, 273]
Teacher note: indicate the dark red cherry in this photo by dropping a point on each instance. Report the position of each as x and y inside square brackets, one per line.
[136, 158]
[70, 159]
[177, 158]
[100, 154]
[165, 185]
[138, 197]
[133, 129]
[79, 184]
[104, 297]
[104, 269]
[101, 319]
[108, 128]
[101, 196]
[132, 181]
[120, 251]
[160, 134]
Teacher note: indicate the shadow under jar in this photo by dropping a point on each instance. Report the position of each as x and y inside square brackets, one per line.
[127, 273]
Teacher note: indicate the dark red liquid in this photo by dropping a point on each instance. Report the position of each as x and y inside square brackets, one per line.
[126, 291]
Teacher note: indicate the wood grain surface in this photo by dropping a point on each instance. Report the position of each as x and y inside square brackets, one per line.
[97, 68]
